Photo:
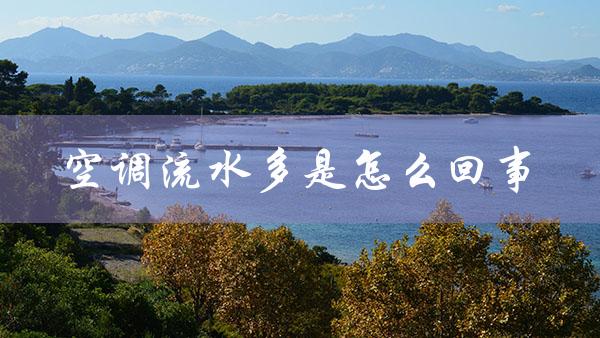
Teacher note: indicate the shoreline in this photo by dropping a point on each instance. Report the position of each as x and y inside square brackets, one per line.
[104, 197]
[219, 119]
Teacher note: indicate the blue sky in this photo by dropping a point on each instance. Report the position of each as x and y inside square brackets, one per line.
[531, 29]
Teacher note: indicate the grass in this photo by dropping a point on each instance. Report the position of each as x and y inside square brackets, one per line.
[115, 248]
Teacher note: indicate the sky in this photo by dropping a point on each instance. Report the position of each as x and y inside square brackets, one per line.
[530, 29]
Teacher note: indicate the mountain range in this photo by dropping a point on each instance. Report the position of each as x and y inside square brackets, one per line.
[401, 56]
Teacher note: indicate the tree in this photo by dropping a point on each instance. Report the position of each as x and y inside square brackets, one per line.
[511, 103]
[424, 289]
[46, 292]
[29, 187]
[69, 90]
[543, 283]
[84, 90]
[324, 257]
[198, 94]
[178, 252]
[160, 93]
[12, 82]
[143, 216]
[271, 285]
[147, 310]
[480, 104]
[264, 283]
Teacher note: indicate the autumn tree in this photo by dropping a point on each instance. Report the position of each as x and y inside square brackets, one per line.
[543, 283]
[264, 283]
[271, 285]
[179, 251]
[424, 288]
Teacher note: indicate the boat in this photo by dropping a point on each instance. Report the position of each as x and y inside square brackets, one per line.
[161, 145]
[471, 120]
[486, 183]
[283, 132]
[176, 144]
[115, 160]
[369, 135]
[588, 173]
[199, 146]
[365, 133]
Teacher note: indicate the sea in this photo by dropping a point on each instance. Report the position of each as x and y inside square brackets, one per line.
[352, 219]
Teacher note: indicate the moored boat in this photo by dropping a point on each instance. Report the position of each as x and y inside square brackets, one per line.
[486, 183]
[199, 146]
[161, 145]
[588, 173]
[176, 144]
[369, 135]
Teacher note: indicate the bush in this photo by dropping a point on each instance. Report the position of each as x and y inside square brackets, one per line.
[46, 292]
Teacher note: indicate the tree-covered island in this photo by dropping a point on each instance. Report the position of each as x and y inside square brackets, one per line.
[80, 97]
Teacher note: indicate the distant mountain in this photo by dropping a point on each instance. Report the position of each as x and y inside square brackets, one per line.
[199, 58]
[587, 71]
[222, 39]
[58, 42]
[401, 56]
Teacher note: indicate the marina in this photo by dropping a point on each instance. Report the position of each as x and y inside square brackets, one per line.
[137, 142]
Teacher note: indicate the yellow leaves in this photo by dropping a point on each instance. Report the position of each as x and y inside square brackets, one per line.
[266, 283]
[447, 283]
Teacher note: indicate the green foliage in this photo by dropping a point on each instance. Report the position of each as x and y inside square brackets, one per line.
[292, 98]
[143, 216]
[324, 257]
[29, 188]
[285, 98]
[72, 203]
[65, 245]
[12, 82]
[226, 281]
[146, 309]
[84, 90]
[514, 104]
[46, 292]
[98, 214]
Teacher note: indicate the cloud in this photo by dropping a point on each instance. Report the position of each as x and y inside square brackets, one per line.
[314, 18]
[152, 18]
[369, 7]
[538, 14]
[504, 8]
[581, 32]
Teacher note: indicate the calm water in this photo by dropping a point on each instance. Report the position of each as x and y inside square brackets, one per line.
[350, 219]
[580, 97]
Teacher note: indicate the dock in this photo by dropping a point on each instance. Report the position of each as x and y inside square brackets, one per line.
[129, 146]
[114, 161]
[121, 138]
